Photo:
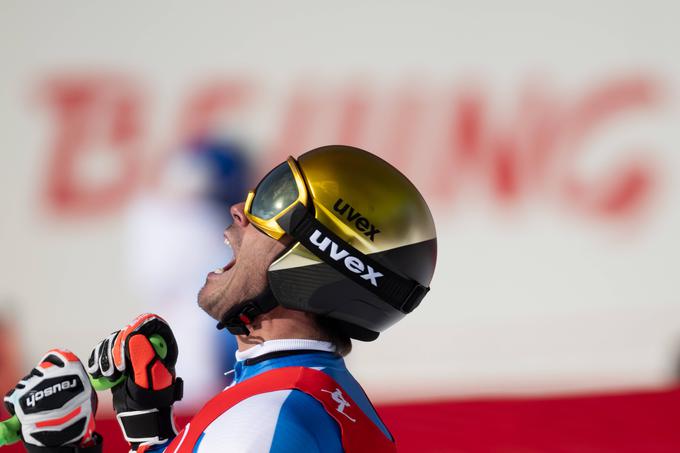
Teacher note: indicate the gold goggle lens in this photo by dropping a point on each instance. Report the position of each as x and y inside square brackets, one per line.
[278, 191]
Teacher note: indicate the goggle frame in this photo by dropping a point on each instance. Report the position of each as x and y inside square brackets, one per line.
[271, 226]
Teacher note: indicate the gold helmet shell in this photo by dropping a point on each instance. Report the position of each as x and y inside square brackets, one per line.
[373, 207]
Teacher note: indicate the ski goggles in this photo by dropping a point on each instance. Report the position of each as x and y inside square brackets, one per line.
[278, 192]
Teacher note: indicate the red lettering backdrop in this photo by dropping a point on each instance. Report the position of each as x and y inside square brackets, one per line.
[532, 153]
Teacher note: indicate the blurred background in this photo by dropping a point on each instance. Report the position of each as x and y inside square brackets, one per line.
[545, 137]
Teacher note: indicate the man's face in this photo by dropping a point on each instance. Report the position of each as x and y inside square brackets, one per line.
[245, 277]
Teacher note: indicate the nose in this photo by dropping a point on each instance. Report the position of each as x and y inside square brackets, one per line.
[238, 215]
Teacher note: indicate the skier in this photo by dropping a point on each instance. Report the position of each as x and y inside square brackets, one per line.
[333, 246]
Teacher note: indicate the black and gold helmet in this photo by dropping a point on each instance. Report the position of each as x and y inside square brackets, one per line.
[364, 247]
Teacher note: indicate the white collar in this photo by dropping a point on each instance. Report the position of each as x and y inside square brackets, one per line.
[283, 345]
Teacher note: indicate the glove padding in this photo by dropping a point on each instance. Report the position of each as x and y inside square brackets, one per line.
[143, 399]
[56, 405]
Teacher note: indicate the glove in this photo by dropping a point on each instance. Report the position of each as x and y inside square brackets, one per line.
[56, 406]
[139, 362]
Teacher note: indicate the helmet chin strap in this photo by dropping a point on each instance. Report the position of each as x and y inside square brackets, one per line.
[238, 317]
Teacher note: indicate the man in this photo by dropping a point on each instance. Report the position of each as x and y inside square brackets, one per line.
[333, 246]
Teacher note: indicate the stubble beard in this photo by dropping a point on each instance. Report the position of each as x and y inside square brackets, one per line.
[245, 282]
[247, 278]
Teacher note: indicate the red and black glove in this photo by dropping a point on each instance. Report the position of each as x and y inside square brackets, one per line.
[140, 359]
[56, 405]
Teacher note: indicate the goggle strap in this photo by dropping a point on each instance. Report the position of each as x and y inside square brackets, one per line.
[402, 293]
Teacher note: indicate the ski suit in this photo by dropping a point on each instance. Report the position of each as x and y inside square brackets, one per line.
[282, 421]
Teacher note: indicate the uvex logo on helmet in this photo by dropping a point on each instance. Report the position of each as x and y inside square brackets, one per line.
[362, 224]
[352, 263]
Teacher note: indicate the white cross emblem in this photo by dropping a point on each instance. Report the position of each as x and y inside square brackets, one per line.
[342, 402]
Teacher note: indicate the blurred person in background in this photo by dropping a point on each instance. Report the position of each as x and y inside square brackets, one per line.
[334, 246]
[173, 232]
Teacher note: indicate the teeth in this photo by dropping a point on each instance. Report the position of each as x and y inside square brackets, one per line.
[218, 270]
[226, 242]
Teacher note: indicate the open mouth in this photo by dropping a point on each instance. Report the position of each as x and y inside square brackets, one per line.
[226, 267]
[230, 264]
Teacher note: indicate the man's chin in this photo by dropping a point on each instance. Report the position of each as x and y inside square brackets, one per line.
[208, 302]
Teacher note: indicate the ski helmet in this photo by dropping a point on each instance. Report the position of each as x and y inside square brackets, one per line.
[364, 243]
